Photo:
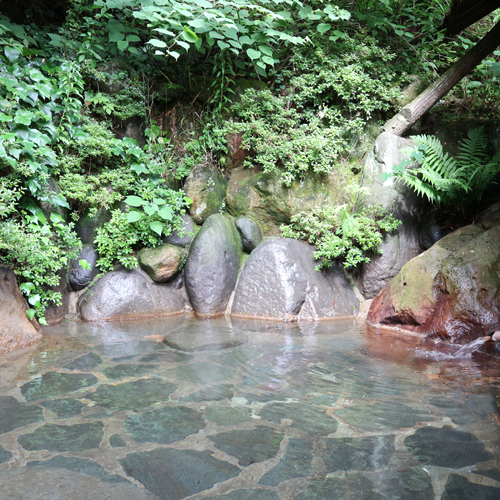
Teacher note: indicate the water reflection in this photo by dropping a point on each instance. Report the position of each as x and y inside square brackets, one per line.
[247, 410]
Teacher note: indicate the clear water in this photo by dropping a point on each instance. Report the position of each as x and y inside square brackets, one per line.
[246, 410]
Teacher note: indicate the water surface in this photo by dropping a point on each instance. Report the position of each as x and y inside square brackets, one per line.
[179, 408]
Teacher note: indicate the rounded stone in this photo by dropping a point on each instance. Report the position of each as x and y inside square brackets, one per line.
[128, 294]
[79, 278]
[183, 236]
[251, 234]
[161, 263]
[279, 282]
[212, 266]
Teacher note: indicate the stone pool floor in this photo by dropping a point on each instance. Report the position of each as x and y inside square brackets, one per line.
[177, 408]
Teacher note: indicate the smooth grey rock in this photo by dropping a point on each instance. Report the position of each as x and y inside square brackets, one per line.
[162, 263]
[212, 266]
[279, 282]
[16, 330]
[86, 227]
[128, 294]
[403, 244]
[251, 234]
[207, 188]
[184, 236]
[79, 278]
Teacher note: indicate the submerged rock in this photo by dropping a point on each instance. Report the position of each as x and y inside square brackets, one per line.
[279, 282]
[16, 330]
[452, 289]
[212, 266]
[128, 294]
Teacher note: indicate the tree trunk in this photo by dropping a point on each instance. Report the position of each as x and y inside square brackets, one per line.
[400, 123]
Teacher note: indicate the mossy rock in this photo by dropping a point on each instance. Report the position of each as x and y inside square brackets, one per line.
[265, 199]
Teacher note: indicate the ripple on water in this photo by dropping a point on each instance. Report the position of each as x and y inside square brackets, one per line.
[309, 412]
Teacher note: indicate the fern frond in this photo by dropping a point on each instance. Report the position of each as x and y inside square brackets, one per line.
[423, 188]
[472, 151]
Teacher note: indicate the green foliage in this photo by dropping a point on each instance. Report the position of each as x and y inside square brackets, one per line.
[340, 234]
[322, 103]
[449, 181]
[37, 250]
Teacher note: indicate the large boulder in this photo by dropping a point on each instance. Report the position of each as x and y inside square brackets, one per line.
[162, 263]
[16, 330]
[129, 294]
[79, 278]
[402, 245]
[452, 289]
[207, 188]
[265, 199]
[279, 282]
[212, 266]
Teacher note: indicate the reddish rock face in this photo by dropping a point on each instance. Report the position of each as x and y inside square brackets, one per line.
[16, 330]
[451, 290]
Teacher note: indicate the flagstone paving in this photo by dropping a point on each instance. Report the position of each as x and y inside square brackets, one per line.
[244, 411]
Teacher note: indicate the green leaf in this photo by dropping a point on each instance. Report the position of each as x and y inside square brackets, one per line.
[150, 209]
[34, 300]
[56, 218]
[23, 117]
[166, 213]
[159, 201]
[5, 118]
[268, 60]
[84, 264]
[116, 36]
[157, 43]
[139, 168]
[253, 54]
[122, 45]
[323, 28]
[26, 288]
[31, 313]
[133, 216]
[134, 201]
[173, 54]
[11, 53]
[189, 35]
[222, 45]
[156, 226]
[266, 50]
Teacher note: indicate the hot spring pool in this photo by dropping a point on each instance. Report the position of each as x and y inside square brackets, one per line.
[245, 410]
